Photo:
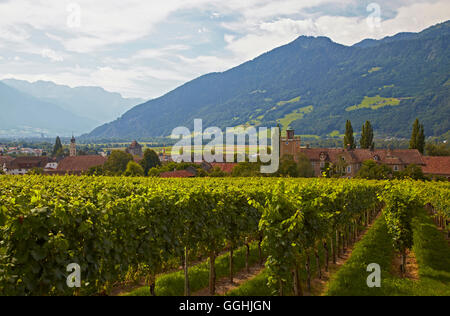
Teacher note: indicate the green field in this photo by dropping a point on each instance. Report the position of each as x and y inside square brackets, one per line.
[374, 103]
[288, 119]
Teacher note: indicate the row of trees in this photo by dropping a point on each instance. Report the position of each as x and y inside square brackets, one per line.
[417, 140]
[371, 170]
[122, 163]
[366, 141]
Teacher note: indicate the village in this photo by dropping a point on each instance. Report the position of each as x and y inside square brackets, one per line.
[347, 160]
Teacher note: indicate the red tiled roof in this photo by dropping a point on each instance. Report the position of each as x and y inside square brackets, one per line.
[177, 174]
[398, 156]
[224, 166]
[28, 162]
[436, 165]
[80, 163]
[5, 159]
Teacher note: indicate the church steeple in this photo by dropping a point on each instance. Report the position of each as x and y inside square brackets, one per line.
[73, 147]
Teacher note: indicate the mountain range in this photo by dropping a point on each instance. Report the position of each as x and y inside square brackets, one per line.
[47, 108]
[313, 85]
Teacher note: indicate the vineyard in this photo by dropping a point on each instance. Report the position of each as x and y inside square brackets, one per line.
[117, 229]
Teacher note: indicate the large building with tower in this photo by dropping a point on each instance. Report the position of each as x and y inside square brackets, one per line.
[349, 161]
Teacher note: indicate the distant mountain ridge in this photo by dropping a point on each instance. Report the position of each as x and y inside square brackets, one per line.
[313, 85]
[25, 115]
[93, 103]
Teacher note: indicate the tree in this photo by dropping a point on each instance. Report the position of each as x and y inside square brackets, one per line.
[216, 173]
[366, 141]
[349, 138]
[36, 171]
[288, 167]
[417, 137]
[370, 170]
[95, 171]
[57, 148]
[412, 172]
[421, 140]
[305, 169]
[437, 150]
[134, 170]
[150, 160]
[247, 169]
[117, 162]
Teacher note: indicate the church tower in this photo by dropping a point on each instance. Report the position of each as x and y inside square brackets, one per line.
[73, 147]
[290, 145]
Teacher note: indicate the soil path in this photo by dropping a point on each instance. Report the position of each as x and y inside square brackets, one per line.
[224, 285]
[319, 286]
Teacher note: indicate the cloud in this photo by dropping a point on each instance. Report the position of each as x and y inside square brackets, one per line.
[52, 55]
[146, 48]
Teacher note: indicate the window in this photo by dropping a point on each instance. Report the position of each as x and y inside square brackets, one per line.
[322, 165]
[349, 169]
[396, 168]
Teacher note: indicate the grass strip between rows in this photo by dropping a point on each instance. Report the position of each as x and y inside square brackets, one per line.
[172, 284]
[430, 248]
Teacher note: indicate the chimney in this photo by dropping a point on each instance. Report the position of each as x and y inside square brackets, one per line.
[290, 134]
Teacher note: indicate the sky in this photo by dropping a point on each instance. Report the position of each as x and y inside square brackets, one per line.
[147, 48]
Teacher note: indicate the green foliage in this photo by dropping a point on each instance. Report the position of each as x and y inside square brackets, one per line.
[305, 168]
[417, 137]
[150, 160]
[298, 114]
[117, 162]
[413, 172]
[111, 226]
[134, 170]
[172, 284]
[437, 150]
[36, 171]
[401, 204]
[95, 171]
[349, 138]
[375, 247]
[247, 169]
[288, 167]
[171, 166]
[371, 170]
[366, 141]
[374, 103]
[431, 251]
[57, 148]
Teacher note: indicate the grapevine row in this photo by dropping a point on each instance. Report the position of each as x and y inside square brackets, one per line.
[110, 226]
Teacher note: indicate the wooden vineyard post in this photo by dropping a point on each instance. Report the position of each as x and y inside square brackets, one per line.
[187, 290]
[212, 274]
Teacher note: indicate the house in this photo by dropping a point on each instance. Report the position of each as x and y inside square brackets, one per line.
[77, 165]
[51, 166]
[135, 149]
[350, 160]
[177, 174]
[21, 165]
[4, 160]
[224, 166]
[437, 166]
